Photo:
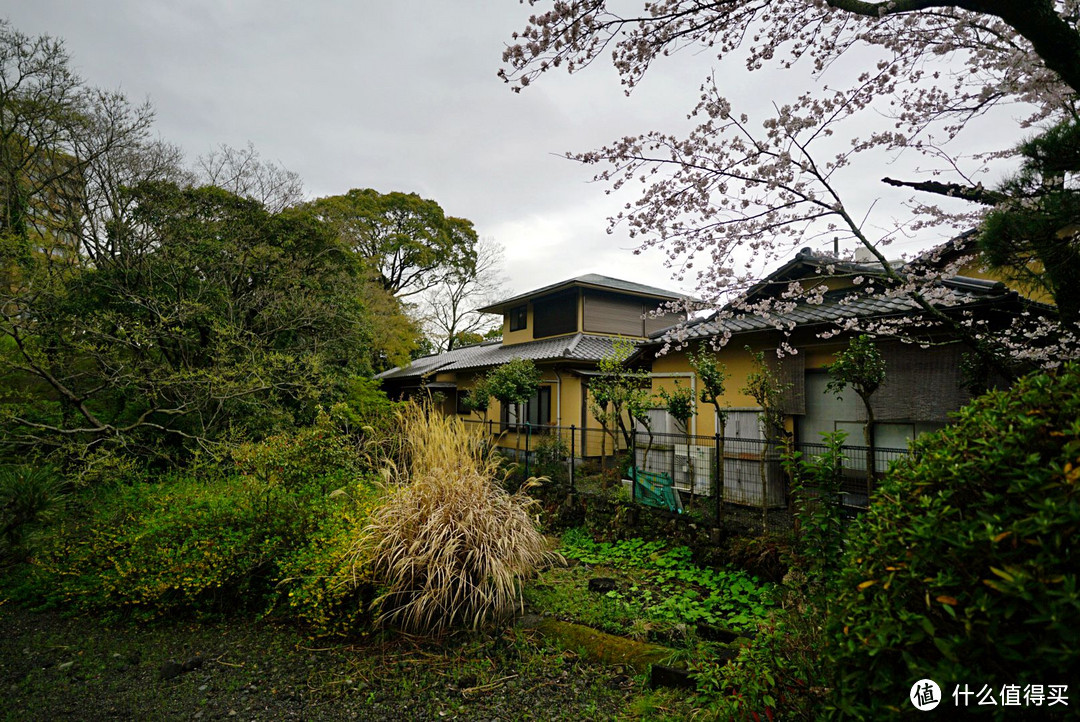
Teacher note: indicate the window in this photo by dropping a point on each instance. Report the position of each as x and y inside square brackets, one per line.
[660, 422]
[519, 318]
[536, 411]
[462, 397]
[742, 424]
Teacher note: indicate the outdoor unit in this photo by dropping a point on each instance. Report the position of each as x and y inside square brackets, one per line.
[694, 468]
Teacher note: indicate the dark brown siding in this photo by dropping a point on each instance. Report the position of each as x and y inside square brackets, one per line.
[791, 372]
[554, 315]
[658, 323]
[611, 313]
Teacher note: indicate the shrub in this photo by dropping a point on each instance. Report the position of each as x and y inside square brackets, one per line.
[965, 570]
[28, 497]
[450, 544]
[186, 546]
[299, 457]
[318, 581]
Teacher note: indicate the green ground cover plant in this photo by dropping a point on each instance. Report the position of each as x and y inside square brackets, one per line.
[661, 587]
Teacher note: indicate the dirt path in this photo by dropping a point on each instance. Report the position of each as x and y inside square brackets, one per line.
[56, 668]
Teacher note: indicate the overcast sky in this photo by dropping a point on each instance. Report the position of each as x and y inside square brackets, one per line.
[393, 96]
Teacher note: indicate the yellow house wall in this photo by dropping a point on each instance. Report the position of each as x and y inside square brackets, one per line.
[976, 269]
[565, 402]
[740, 364]
[525, 334]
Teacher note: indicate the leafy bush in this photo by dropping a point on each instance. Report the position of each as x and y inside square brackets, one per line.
[816, 488]
[29, 496]
[549, 460]
[299, 457]
[965, 569]
[450, 544]
[181, 545]
[320, 582]
[769, 679]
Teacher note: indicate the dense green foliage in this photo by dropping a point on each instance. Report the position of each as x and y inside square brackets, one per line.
[1030, 234]
[185, 545]
[146, 318]
[29, 498]
[214, 319]
[408, 241]
[965, 567]
[860, 366]
[512, 383]
[963, 571]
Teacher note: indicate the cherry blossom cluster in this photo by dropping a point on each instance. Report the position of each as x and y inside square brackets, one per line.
[735, 195]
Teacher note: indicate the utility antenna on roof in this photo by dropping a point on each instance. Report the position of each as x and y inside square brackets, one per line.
[836, 246]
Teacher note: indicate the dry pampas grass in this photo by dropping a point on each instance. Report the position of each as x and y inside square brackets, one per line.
[450, 544]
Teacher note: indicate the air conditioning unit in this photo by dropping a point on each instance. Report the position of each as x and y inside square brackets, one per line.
[694, 468]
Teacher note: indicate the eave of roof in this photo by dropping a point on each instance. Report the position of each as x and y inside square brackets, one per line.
[575, 347]
[837, 305]
[591, 280]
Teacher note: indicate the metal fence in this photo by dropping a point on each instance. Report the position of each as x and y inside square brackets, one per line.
[751, 470]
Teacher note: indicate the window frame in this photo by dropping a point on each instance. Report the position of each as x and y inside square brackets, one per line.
[519, 317]
[535, 406]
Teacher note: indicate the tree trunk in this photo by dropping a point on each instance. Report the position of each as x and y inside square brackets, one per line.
[603, 447]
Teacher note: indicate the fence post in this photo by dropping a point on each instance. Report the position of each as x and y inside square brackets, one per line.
[633, 467]
[718, 466]
[489, 427]
[572, 430]
[528, 436]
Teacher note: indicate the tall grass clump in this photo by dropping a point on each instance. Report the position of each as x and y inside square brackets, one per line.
[450, 545]
[29, 497]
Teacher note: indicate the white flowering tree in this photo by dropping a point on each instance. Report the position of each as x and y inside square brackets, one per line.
[736, 193]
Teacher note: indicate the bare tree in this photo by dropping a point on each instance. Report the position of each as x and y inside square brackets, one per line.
[243, 172]
[448, 310]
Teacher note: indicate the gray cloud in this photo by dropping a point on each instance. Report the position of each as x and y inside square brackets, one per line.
[394, 96]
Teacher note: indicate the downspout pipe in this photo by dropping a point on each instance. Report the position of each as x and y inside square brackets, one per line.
[558, 397]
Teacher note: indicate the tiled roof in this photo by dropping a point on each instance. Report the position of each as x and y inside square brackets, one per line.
[578, 347]
[429, 364]
[842, 304]
[592, 280]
